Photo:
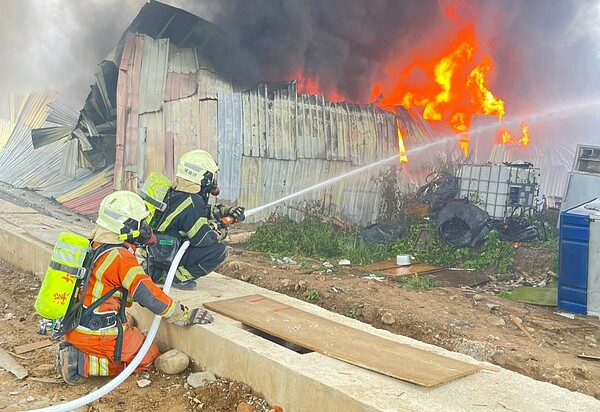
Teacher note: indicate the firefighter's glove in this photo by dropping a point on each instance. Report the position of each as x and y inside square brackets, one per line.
[219, 212]
[237, 213]
[184, 316]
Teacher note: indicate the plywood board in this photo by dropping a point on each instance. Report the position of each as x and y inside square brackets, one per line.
[342, 342]
[390, 268]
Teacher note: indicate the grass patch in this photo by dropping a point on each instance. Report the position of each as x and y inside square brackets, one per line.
[416, 282]
[504, 294]
[313, 238]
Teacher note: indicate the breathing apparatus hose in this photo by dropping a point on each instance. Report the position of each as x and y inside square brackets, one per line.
[97, 394]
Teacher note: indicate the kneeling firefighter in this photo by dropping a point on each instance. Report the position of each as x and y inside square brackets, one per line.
[104, 343]
[186, 215]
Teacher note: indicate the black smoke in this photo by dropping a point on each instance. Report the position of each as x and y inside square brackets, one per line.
[543, 53]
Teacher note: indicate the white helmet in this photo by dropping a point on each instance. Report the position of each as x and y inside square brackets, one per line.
[122, 212]
[194, 166]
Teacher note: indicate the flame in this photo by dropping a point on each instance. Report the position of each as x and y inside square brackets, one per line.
[485, 100]
[313, 85]
[447, 84]
[525, 139]
[505, 136]
[402, 148]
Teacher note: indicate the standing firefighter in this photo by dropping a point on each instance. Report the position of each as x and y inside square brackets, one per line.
[186, 216]
[103, 343]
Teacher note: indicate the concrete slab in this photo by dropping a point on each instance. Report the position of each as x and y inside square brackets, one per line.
[305, 381]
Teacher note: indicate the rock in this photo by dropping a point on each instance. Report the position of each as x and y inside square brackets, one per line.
[30, 398]
[172, 362]
[477, 297]
[344, 262]
[497, 321]
[388, 319]
[244, 407]
[492, 306]
[590, 338]
[301, 286]
[142, 383]
[457, 323]
[285, 282]
[198, 379]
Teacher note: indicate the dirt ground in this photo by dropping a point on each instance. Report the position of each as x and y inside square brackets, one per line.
[470, 320]
[473, 321]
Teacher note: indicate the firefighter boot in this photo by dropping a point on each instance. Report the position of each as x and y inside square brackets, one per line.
[67, 363]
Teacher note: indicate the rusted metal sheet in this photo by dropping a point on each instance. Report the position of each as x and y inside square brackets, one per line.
[183, 61]
[89, 203]
[338, 128]
[122, 107]
[180, 85]
[153, 74]
[281, 131]
[152, 139]
[230, 144]
[311, 143]
[254, 122]
[131, 153]
[182, 119]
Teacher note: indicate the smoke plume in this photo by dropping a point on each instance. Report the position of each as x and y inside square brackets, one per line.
[545, 52]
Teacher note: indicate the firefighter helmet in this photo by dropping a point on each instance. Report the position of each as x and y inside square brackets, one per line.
[123, 212]
[197, 166]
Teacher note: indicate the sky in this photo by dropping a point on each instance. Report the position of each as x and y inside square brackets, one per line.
[547, 52]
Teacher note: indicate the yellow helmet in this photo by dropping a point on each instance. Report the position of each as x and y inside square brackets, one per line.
[122, 212]
[194, 166]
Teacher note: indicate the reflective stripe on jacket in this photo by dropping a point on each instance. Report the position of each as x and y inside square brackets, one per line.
[186, 217]
[119, 268]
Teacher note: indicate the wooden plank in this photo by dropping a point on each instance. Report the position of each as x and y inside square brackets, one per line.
[390, 268]
[33, 346]
[342, 342]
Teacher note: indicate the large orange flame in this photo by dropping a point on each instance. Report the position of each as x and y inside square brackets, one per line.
[448, 84]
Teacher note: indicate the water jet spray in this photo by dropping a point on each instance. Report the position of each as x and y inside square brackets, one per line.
[328, 182]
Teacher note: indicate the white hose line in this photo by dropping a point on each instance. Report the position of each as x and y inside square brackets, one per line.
[92, 396]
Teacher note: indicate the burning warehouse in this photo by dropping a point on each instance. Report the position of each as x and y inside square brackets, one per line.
[175, 82]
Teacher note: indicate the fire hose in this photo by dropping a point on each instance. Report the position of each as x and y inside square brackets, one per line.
[97, 394]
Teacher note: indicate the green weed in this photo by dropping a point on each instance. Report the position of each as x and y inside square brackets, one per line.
[312, 295]
[417, 282]
[350, 313]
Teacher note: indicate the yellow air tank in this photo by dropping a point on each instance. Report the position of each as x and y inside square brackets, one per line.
[65, 270]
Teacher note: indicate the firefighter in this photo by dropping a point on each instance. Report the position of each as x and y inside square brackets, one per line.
[187, 214]
[104, 343]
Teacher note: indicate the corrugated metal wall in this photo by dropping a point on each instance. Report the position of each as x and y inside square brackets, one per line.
[292, 142]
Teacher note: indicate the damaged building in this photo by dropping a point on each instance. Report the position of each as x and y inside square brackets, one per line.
[167, 88]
